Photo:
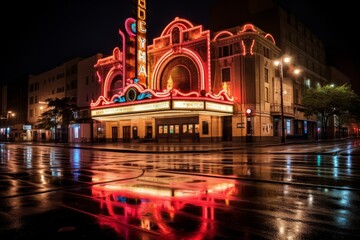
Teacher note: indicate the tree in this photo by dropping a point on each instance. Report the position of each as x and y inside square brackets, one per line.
[355, 115]
[328, 101]
[61, 112]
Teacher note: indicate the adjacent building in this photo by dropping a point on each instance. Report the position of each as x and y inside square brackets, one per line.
[13, 101]
[74, 79]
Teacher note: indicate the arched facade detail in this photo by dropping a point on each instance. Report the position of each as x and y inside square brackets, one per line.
[181, 23]
[188, 59]
[113, 73]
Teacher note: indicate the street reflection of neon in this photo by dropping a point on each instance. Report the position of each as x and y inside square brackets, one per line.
[28, 157]
[318, 162]
[310, 199]
[288, 165]
[336, 166]
[42, 176]
[348, 165]
[344, 198]
[342, 217]
[160, 208]
[55, 166]
[288, 168]
[75, 163]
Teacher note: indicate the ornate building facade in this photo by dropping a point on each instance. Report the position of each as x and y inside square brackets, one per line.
[199, 87]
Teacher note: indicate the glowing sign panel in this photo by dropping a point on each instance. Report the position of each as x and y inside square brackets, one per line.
[146, 107]
[188, 105]
[141, 41]
[219, 107]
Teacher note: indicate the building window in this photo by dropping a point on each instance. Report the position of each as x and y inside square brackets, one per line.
[305, 127]
[31, 100]
[73, 69]
[225, 51]
[161, 130]
[205, 127]
[266, 75]
[266, 94]
[266, 52]
[171, 129]
[184, 130]
[87, 80]
[31, 113]
[76, 132]
[191, 128]
[225, 73]
[288, 126]
[296, 97]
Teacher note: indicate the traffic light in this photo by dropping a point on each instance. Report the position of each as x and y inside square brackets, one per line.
[248, 122]
[248, 112]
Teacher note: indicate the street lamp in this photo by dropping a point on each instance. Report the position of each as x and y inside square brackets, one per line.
[9, 115]
[280, 63]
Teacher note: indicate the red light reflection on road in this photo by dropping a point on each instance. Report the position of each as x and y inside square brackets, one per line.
[168, 205]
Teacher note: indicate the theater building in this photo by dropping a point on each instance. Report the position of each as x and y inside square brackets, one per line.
[198, 87]
[176, 103]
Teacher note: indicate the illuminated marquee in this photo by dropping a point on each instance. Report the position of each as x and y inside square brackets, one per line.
[141, 58]
[219, 107]
[146, 107]
[194, 105]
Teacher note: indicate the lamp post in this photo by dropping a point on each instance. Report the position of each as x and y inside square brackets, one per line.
[280, 63]
[3, 126]
[9, 115]
[282, 103]
[281, 72]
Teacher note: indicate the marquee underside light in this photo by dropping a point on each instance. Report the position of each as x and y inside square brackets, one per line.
[169, 106]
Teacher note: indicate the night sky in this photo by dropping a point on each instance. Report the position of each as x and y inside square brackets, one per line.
[39, 35]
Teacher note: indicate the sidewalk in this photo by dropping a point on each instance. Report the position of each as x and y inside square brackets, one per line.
[155, 147]
[177, 147]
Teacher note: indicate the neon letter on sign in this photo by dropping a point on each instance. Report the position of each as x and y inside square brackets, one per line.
[141, 41]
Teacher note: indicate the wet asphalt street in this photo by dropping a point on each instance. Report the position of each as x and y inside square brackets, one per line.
[187, 191]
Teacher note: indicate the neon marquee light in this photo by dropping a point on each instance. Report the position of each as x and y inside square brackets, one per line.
[99, 77]
[209, 57]
[198, 61]
[141, 58]
[116, 62]
[140, 95]
[122, 35]
[270, 37]
[177, 22]
[130, 27]
[251, 47]
[248, 27]
[145, 107]
[226, 33]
